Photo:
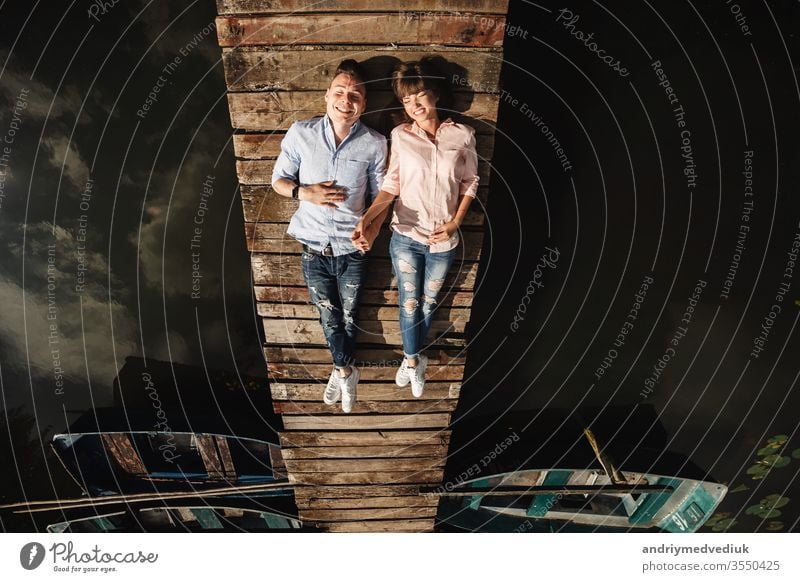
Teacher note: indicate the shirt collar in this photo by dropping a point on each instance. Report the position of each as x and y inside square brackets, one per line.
[413, 127]
[327, 127]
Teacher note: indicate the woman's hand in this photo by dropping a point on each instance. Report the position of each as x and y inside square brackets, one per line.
[443, 233]
[361, 237]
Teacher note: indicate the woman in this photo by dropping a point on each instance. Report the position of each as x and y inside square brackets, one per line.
[432, 178]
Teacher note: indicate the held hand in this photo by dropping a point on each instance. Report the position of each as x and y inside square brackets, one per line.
[443, 233]
[324, 194]
[359, 238]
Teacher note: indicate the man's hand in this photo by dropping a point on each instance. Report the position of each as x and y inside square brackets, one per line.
[360, 237]
[324, 194]
[443, 233]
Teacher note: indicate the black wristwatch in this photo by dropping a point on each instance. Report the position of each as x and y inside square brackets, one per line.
[296, 192]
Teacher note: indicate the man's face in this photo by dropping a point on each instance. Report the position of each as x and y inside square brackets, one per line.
[345, 99]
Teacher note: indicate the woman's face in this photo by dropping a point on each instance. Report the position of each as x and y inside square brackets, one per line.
[421, 106]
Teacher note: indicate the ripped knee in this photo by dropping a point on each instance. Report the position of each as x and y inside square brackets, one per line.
[409, 286]
[436, 285]
[405, 266]
[410, 305]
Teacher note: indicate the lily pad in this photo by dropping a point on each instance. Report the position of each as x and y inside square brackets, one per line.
[763, 512]
[776, 461]
[796, 454]
[739, 489]
[774, 526]
[757, 471]
[723, 524]
[774, 501]
[717, 517]
[779, 439]
[768, 450]
[767, 508]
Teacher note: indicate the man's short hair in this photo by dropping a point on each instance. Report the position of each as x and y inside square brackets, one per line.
[354, 69]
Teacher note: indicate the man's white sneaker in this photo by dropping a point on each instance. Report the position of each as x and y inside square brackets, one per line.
[333, 390]
[349, 385]
[402, 378]
[417, 376]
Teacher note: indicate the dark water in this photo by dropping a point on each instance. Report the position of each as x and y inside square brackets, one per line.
[634, 277]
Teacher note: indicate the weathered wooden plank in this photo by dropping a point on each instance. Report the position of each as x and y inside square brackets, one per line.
[304, 6]
[342, 492]
[367, 514]
[367, 502]
[366, 422]
[289, 69]
[372, 357]
[255, 146]
[365, 313]
[287, 270]
[379, 526]
[389, 451]
[124, 453]
[278, 463]
[362, 407]
[225, 455]
[366, 439]
[208, 452]
[299, 294]
[360, 465]
[272, 110]
[367, 478]
[308, 331]
[261, 146]
[400, 28]
[263, 204]
[366, 392]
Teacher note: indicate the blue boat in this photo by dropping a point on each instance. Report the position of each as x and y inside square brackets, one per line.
[578, 500]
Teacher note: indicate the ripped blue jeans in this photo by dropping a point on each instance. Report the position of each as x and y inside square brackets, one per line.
[420, 277]
[334, 286]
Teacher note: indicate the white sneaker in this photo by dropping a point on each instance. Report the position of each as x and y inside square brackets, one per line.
[349, 389]
[333, 390]
[417, 376]
[402, 378]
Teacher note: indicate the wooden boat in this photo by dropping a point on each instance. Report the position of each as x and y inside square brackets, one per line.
[207, 515]
[108, 463]
[578, 500]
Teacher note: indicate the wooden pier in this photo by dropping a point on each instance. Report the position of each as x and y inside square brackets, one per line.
[360, 471]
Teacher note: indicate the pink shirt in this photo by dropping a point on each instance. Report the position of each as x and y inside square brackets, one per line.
[429, 177]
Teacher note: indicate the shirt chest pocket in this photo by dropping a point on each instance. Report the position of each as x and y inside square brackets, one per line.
[451, 162]
[352, 174]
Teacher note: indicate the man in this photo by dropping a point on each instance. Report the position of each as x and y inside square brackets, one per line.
[334, 166]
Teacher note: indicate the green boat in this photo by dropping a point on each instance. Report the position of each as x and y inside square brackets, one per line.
[578, 500]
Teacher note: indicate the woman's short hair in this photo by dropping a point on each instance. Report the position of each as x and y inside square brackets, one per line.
[414, 77]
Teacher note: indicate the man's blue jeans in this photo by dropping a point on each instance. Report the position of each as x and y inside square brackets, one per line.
[334, 285]
[420, 277]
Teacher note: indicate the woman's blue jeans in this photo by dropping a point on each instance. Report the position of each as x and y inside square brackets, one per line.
[420, 277]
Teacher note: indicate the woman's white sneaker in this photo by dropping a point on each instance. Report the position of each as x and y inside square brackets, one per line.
[417, 376]
[349, 385]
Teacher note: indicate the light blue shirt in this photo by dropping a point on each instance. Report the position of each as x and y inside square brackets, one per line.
[309, 156]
